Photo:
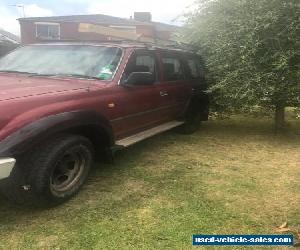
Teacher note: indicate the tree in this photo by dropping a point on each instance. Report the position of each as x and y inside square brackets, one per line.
[252, 51]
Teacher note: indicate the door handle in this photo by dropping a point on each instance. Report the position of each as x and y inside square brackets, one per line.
[163, 93]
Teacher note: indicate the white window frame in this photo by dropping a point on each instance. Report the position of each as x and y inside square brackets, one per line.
[48, 24]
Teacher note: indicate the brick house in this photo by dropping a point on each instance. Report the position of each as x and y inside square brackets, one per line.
[38, 29]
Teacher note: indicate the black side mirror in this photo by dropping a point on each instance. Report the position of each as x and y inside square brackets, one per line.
[140, 78]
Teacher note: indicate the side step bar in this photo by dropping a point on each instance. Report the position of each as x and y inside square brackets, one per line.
[147, 133]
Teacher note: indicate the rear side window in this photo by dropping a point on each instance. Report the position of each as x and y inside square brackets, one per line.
[195, 68]
[172, 69]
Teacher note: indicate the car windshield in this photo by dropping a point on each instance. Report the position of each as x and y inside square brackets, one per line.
[64, 60]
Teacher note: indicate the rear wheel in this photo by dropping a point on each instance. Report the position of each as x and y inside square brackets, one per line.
[191, 125]
[193, 117]
[53, 173]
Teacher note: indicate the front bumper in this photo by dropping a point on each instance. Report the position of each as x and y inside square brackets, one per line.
[6, 166]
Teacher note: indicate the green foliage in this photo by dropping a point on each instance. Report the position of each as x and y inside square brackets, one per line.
[251, 48]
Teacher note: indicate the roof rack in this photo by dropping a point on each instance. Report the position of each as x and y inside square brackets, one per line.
[175, 46]
[127, 37]
[122, 37]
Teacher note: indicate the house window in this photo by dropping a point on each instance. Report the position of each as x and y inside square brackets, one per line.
[48, 30]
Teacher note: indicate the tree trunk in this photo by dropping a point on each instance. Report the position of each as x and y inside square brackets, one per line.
[279, 117]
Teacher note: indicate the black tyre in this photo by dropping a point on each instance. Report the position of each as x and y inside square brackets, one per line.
[53, 173]
[191, 125]
[196, 112]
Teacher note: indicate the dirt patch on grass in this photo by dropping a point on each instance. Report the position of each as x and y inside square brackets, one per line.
[47, 242]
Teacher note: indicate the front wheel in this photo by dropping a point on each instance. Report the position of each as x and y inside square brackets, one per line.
[55, 171]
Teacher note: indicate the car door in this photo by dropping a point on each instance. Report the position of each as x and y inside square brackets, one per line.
[138, 106]
[174, 84]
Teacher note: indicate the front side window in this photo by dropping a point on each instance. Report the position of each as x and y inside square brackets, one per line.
[91, 61]
[146, 61]
[47, 31]
[172, 69]
[141, 61]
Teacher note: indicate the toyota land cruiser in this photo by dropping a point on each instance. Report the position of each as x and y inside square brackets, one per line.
[64, 104]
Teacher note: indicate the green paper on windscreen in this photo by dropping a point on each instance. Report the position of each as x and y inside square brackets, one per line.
[106, 72]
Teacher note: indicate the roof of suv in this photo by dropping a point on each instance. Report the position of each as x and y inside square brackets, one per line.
[95, 43]
[121, 44]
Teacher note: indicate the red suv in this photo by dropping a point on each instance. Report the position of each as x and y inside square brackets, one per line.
[62, 105]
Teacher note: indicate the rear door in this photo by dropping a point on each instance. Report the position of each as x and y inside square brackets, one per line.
[174, 85]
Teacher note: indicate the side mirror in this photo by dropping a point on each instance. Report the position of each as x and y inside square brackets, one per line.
[140, 78]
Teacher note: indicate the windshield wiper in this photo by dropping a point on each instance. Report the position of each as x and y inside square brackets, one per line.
[83, 76]
[68, 75]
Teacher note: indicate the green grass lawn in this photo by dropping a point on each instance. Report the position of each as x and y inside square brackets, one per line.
[232, 177]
